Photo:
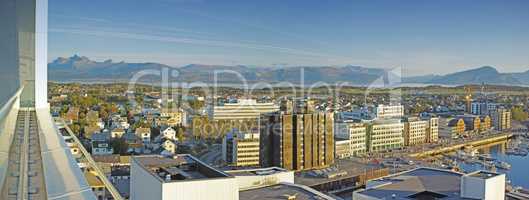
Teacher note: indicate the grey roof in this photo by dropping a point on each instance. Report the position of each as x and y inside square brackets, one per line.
[416, 182]
[282, 191]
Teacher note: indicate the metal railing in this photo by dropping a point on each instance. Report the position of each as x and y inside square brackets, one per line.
[108, 185]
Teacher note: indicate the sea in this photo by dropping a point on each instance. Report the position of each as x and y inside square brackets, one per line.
[518, 175]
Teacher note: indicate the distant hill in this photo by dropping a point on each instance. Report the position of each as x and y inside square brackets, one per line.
[486, 74]
[77, 68]
[82, 69]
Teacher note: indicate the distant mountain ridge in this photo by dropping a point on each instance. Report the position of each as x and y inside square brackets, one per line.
[486, 74]
[82, 69]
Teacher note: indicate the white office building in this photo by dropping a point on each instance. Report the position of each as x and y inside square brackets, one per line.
[244, 109]
[389, 111]
[182, 177]
[384, 135]
[355, 134]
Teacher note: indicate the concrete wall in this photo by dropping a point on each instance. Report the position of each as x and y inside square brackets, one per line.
[142, 184]
[8, 51]
[218, 189]
[492, 188]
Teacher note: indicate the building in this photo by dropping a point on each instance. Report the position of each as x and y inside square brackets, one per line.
[241, 149]
[144, 134]
[432, 129]
[486, 123]
[383, 135]
[244, 109]
[168, 133]
[273, 183]
[204, 127]
[483, 108]
[96, 185]
[501, 119]
[181, 177]
[101, 144]
[175, 117]
[169, 146]
[117, 133]
[472, 123]
[430, 183]
[389, 111]
[297, 141]
[457, 127]
[248, 179]
[414, 131]
[355, 133]
[342, 148]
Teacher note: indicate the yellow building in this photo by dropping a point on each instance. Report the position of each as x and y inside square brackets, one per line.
[486, 123]
[415, 131]
[457, 126]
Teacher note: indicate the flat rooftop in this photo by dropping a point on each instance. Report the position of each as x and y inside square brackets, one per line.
[483, 174]
[416, 184]
[282, 192]
[343, 168]
[178, 168]
[257, 172]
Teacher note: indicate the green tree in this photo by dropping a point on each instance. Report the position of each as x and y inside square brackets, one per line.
[180, 134]
[119, 145]
[519, 114]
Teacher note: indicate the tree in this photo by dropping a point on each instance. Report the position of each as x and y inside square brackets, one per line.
[180, 134]
[119, 145]
[519, 114]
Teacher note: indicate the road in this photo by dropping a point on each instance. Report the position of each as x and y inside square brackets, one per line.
[213, 155]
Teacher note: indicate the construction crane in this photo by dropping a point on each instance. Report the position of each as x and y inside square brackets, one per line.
[468, 99]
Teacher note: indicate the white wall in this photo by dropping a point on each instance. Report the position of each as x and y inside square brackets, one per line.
[142, 184]
[41, 54]
[218, 189]
[487, 189]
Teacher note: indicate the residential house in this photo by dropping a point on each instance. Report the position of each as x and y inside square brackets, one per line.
[144, 134]
[117, 133]
[101, 144]
[168, 133]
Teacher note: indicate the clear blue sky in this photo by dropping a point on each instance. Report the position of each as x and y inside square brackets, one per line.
[423, 37]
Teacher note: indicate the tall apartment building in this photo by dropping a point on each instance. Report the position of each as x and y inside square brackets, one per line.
[241, 149]
[414, 131]
[432, 130]
[355, 133]
[297, 141]
[501, 119]
[384, 135]
[243, 110]
[389, 111]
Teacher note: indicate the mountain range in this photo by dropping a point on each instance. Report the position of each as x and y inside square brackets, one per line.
[82, 69]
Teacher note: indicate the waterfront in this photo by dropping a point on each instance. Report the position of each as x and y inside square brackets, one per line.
[518, 174]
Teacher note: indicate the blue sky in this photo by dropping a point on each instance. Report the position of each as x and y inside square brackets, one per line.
[422, 37]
